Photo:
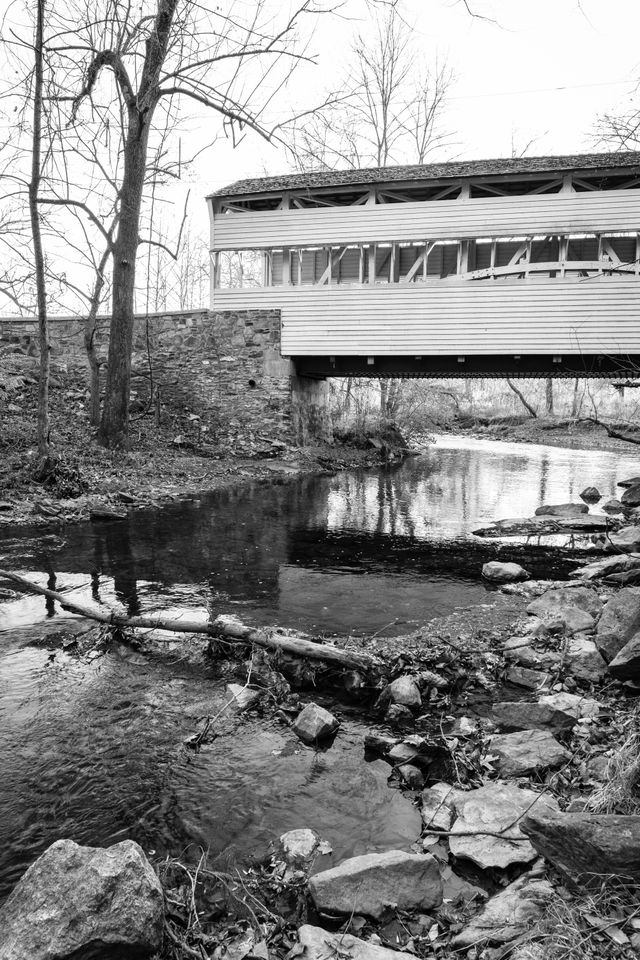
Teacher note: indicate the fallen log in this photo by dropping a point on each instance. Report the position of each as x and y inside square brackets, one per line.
[224, 627]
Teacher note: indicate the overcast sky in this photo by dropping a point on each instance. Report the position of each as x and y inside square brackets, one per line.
[544, 71]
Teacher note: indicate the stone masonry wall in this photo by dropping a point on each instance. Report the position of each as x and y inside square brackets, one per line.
[223, 367]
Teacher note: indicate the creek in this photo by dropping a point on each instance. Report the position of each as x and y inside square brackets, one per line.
[92, 748]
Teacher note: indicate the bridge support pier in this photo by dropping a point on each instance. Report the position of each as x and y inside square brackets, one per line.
[310, 416]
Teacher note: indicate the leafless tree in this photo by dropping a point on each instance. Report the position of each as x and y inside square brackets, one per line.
[133, 70]
[389, 108]
[36, 232]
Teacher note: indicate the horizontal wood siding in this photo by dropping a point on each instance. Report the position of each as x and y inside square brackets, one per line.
[545, 316]
[593, 212]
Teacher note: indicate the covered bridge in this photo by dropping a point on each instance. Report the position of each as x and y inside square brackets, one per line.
[527, 266]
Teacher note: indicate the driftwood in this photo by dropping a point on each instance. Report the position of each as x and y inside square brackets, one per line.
[227, 627]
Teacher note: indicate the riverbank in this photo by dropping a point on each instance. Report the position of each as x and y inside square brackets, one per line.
[172, 456]
[549, 431]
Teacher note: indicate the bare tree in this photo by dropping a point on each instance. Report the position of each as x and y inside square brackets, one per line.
[116, 67]
[389, 108]
[38, 253]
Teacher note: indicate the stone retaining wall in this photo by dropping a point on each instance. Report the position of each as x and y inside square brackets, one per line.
[224, 367]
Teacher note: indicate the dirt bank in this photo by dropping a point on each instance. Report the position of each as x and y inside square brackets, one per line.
[174, 454]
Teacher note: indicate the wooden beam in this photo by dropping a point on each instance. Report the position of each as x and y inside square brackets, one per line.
[571, 266]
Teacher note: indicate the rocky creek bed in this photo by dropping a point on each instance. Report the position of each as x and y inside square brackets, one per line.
[508, 734]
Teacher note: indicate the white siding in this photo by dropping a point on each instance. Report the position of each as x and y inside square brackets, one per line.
[589, 212]
[547, 316]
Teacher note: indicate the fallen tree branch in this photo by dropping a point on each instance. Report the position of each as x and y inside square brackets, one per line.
[226, 627]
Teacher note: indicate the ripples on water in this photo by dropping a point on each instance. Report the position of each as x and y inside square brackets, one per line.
[93, 750]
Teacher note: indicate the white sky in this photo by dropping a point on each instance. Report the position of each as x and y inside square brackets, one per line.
[546, 69]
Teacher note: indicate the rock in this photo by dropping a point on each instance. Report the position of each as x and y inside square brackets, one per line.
[403, 752]
[498, 572]
[314, 723]
[534, 627]
[612, 506]
[626, 539]
[242, 697]
[320, 945]
[398, 715]
[631, 496]
[591, 495]
[438, 807]
[619, 622]
[626, 664]
[598, 569]
[508, 914]
[299, 846]
[406, 692]
[562, 510]
[527, 751]
[464, 727]
[457, 891]
[100, 513]
[372, 883]
[495, 807]
[551, 604]
[632, 482]
[587, 845]
[518, 650]
[379, 743]
[583, 659]
[84, 901]
[531, 679]
[412, 776]
[555, 712]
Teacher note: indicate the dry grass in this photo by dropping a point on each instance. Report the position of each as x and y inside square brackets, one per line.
[620, 792]
[592, 926]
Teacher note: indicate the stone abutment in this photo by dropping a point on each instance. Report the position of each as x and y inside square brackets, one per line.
[224, 367]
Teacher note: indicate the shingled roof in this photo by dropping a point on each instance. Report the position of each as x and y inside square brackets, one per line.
[458, 169]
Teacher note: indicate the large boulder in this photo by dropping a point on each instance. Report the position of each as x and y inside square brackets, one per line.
[84, 902]
[591, 495]
[527, 751]
[620, 620]
[508, 914]
[562, 510]
[612, 506]
[319, 944]
[496, 809]
[587, 846]
[314, 723]
[626, 663]
[372, 883]
[498, 572]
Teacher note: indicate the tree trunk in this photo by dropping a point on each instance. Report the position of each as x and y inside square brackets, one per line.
[90, 328]
[521, 398]
[227, 627]
[574, 402]
[38, 253]
[114, 427]
[549, 397]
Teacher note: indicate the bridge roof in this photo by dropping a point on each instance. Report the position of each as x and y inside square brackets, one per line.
[587, 163]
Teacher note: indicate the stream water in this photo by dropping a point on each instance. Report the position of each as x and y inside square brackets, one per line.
[93, 749]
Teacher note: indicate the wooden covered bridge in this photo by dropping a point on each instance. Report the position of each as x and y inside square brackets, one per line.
[525, 267]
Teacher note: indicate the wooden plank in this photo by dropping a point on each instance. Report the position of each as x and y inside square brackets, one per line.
[599, 315]
[597, 212]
